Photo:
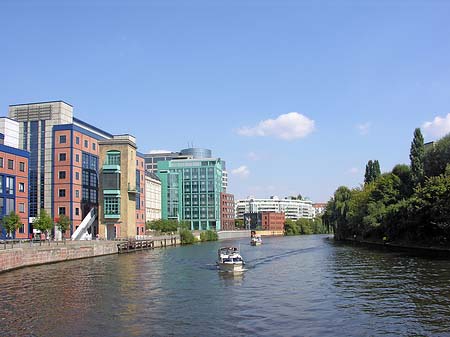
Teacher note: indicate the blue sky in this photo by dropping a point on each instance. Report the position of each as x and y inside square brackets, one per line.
[360, 75]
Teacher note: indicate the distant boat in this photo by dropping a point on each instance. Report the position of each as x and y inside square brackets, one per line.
[230, 260]
[256, 240]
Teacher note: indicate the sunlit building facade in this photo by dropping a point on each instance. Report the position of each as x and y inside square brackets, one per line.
[292, 208]
[191, 191]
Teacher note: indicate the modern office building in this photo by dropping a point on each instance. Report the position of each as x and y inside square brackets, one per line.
[152, 197]
[153, 157]
[191, 191]
[122, 188]
[227, 211]
[292, 208]
[13, 179]
[64, 167]
[63, 160]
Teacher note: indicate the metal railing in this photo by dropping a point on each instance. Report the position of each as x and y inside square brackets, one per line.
[10, 244]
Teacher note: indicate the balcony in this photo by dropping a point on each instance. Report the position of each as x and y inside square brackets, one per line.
[132, 189]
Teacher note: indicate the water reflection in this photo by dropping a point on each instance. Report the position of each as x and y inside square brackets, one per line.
[402, 294]
[231, 279]
[294, 286]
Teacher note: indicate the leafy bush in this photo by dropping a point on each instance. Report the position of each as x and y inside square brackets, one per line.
[187, 237]
[209, 236]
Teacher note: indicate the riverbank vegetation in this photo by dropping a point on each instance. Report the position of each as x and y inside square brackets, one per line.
[209, 235]
[305, 226]
[165, 226]
[411, 203]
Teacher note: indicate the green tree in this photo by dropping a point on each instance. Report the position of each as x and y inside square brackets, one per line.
[376, 171]
[373, 171]
[43, 222]
[368, 175]
[305, 226]
[63, 223]
[209, 235]
[11, 222]
[404, 173]
[187, 237]
[430, 206]
[416, 156]
[239, 223]
[166, 225]
[291, 227]
[437, 157]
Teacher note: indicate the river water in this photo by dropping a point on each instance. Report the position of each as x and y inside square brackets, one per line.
[294, 286]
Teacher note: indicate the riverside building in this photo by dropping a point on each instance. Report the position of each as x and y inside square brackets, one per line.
[122, 188]
[64, 167]
[152, 197]
[191, 191]
[292, 208]
[13, 179]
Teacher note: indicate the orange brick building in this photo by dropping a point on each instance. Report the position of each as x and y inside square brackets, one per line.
[14, 187]
[272, 221]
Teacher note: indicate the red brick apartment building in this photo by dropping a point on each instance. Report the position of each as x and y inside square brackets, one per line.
[272, 221]
[14, 187]
[227, 212]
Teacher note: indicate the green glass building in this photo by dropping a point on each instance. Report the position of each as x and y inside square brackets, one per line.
[190, 191]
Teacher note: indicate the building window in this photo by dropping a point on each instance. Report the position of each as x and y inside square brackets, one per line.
[9, 187]
[62, 157]
[113, 158]
[93, 146]
[77, 158]
[22, 229]
[77, 194]
[77, 211]
[77, 140]
[61, 210]
[1, 162]
[62, 139]
[21, 166]
[21, 208]
[112, 206]
[21, 187]
[77, 175]
[62, 192]
[10, 164]
[62, 174]
[86, 144]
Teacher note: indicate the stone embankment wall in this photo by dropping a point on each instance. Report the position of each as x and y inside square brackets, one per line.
[27, 255]
[223, 235]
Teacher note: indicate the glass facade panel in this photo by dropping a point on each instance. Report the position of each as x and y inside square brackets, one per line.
[112, 205]
[113, 158]
[9, 184]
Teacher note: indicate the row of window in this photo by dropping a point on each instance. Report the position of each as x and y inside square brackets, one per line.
[10, 185]
[62, 211]
[63, 140]
[11, 164]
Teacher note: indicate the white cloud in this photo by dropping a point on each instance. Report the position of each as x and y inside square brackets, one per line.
[253, 156]
[241, 171]
[288, 127]
[353, 170]
[158, 151]
[439, 127]
[363, 128]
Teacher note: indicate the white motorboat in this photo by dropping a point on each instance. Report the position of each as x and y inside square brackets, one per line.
[230, 260]
[256, 240]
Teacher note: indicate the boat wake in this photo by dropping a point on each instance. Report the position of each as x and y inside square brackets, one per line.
[271, 258]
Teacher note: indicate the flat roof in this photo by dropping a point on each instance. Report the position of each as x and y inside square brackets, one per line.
[43, 102]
